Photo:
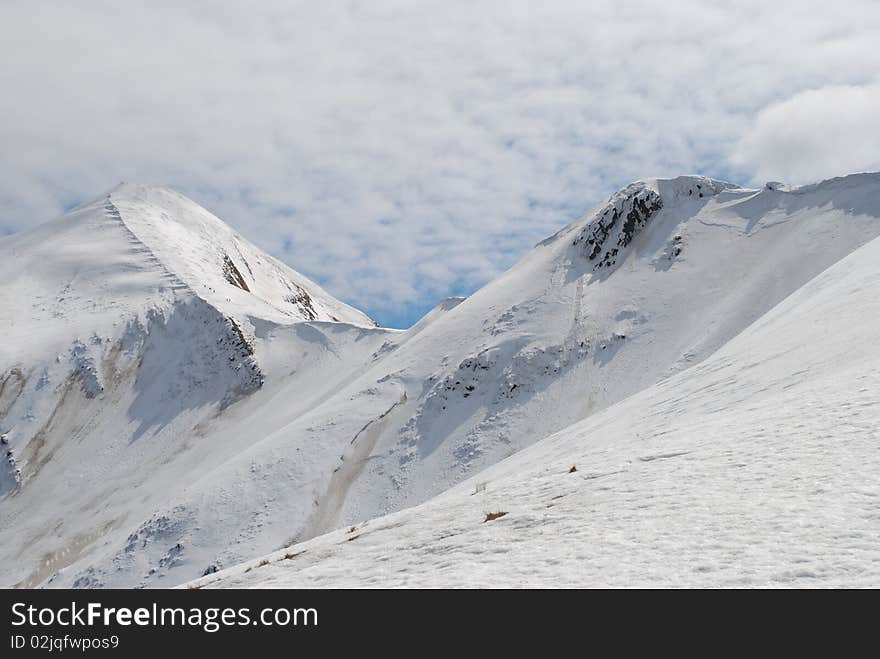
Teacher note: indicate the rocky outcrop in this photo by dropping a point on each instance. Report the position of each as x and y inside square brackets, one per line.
[615, 226]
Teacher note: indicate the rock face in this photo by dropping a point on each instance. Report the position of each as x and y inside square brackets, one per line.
[626, 213]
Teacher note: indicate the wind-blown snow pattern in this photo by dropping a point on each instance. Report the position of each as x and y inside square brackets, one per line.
[172, 413]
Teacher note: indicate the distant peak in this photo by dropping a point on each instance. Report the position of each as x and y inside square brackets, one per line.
[450, 302]
[198, 251]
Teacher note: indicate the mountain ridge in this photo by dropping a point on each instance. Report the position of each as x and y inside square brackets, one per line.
[354, 421]
[754, 468]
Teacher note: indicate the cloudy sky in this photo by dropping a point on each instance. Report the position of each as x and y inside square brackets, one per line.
[400, 152]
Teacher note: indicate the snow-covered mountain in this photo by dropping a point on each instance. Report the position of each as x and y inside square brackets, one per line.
[131, 325]
[177, 402]
[757, 467]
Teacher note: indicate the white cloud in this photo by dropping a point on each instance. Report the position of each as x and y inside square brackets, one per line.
[403, 150]
[815, 134]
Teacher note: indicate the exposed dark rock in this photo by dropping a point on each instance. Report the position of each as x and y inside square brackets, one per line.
[618, 223]
[299, 298]
[232, 275]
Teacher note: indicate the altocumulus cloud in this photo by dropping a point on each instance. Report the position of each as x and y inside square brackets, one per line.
[402, 151]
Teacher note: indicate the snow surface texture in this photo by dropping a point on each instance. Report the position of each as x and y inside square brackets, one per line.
[757, 467]
[186, 420]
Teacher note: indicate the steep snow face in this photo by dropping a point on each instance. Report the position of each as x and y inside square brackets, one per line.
[757, 467]
[220, 266]
[88, 309]
[125, 347]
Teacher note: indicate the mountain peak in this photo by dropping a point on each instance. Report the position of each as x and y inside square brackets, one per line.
[217, 263]
[136, 258]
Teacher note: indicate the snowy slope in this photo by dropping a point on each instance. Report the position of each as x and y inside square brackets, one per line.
[562, 336]
[125, 343]
[757, 467]
[265, 427]
[220, 266]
